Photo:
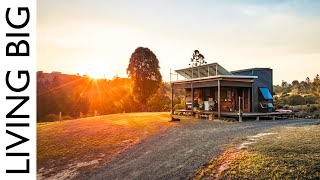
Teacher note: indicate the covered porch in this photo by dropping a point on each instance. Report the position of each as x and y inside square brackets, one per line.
[220, 93]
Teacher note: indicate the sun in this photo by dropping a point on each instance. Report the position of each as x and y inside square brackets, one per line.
[93, 69]
[95, 74]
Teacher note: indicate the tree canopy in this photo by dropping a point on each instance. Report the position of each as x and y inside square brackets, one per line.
[144, 71]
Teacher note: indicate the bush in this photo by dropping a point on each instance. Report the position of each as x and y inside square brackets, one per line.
[66, 117]
[296, 100]
[178, 106]
[311, 99]
[286, 107]
[51, 118]
[313, 108]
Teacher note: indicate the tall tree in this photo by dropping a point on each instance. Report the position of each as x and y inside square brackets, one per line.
[197, 59]
[144, 71]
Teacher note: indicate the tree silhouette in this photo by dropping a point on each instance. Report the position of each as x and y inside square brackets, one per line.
[144, 71]
[197, 59]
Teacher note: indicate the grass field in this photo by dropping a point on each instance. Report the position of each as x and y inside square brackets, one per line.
[67, 147]
[285, 153]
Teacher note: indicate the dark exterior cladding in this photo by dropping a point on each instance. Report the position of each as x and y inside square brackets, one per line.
[264, 80]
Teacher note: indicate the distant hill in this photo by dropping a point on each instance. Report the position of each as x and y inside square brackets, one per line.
[297, 93]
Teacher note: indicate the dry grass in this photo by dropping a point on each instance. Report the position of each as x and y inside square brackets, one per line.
[97, 139]
[292, 153]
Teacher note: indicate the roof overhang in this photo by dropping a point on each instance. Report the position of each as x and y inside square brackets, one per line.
[213, 81]
[218, 77]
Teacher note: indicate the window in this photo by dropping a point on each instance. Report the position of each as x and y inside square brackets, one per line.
[226, 95]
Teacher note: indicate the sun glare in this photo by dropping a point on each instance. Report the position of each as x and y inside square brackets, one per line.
[93, 70]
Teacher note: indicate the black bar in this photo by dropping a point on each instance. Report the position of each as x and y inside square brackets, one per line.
[17, 124]
[17, 154]
[17, 35]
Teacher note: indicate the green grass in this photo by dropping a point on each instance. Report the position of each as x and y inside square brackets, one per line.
[60, 144]
[293, 153]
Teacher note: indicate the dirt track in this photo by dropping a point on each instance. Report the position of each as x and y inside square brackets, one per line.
[179, 152]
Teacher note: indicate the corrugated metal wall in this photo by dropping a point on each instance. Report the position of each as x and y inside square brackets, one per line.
[265, 79]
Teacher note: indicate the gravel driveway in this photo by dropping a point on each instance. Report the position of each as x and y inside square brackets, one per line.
[178, 152]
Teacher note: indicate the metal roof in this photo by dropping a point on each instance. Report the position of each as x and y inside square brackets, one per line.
[207, 70]
[216, 77]
[250, 69]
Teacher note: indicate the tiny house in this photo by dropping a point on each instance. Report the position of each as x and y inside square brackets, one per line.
[211, 87]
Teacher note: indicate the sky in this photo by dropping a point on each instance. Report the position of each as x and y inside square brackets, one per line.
[97, 37]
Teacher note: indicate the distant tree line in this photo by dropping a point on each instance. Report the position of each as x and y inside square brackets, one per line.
[77, 96]
[298, 93]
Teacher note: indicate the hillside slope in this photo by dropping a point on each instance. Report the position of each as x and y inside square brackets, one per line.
[65, 148]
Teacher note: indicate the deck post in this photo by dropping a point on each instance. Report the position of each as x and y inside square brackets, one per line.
[172, 100]
[240, 115]
[253, 109]
[249, 99]
[192, 99]
[257, 118]
[243, 108]
[219, 101]
[273, 117]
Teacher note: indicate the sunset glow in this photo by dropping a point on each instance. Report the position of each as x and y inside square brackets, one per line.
[93, 69]
[236, 34]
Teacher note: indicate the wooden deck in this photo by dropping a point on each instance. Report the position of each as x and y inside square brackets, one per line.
[272, 115]
[184, 112]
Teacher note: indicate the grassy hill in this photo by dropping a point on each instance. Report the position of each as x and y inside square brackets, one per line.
[65, 148]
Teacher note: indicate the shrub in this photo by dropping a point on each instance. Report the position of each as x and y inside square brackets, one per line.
[178, 106]
[296, 100]
[51, 118]
[311, 99]
[313, 108]
[286, 107]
